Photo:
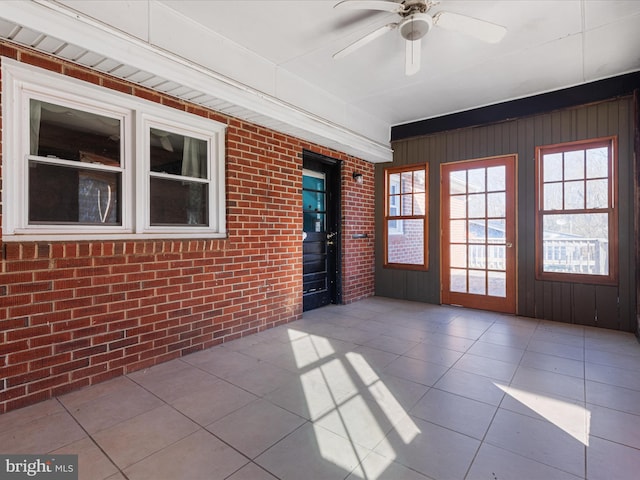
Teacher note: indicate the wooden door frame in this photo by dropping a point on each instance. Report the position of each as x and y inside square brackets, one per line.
[496, 304]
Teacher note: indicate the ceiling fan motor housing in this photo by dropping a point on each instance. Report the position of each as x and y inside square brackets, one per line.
[416, 26]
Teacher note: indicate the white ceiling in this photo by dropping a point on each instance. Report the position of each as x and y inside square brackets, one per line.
[549, 45]
[281, 50]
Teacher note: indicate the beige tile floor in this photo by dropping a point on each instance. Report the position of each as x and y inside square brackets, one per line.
[379, 389]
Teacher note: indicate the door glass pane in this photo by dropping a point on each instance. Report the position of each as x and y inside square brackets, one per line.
[477, 256]
[458, 255]
[313, 181]
[314, 222]
[497, 284]
[458, 280]
[476, 205]
[497, 231]
[458, 182]
[476, 179]
[314, 201]
[477, 231]
[496, 204]
[496, 257]
[458, 206]
[458, 231]
[495, 179]
[477, 282]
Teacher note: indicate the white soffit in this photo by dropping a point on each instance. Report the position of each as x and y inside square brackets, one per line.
[60, 31]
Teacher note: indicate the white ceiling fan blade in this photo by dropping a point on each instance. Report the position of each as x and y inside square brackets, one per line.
[412, 65]
[364, 40]
[480, 29]
[386, 6]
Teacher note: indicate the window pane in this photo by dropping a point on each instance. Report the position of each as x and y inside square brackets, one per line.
[407, 182]
[552, 196]
[178, 202]
[178, 154]
[407, 204]
[395, 227]
[62, 132]
[476, 206]
[574, 195]
[476, 180]
[394, 184]
[67, 195]
[597, 193]
[577, 244]
[407, 247]
[574, 165]
[419, 181]
[597, 163]
[552, 167]
[394, 205]
[419, 204]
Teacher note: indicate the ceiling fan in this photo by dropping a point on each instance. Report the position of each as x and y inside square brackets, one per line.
[415, 23]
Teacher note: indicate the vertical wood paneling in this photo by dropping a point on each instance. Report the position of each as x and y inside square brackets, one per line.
[582, 304]
[607, 314]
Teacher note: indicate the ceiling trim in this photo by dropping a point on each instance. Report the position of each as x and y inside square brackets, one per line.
[546, 102]
[51, 19]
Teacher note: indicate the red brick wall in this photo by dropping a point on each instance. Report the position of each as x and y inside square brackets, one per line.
[75, 314]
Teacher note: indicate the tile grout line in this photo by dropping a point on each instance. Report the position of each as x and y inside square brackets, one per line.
[93, 440]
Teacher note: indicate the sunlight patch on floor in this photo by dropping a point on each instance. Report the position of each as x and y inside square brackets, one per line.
[347, 397]
[569, 417]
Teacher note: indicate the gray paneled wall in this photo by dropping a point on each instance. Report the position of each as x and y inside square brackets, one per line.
[598, 305]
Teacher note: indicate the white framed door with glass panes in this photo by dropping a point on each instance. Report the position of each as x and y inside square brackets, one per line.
[479, 234]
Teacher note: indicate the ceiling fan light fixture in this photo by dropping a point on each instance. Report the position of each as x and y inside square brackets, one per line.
[416, 26]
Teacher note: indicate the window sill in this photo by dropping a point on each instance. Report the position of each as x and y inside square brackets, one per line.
[80, 237]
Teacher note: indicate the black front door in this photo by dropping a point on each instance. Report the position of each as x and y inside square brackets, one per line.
[321, 235]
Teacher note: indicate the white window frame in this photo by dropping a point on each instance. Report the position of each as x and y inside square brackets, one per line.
[21, 82]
